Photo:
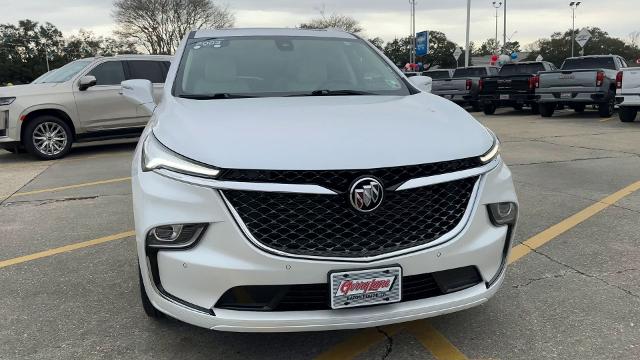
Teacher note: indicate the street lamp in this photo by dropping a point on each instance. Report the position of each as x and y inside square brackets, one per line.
[412, 56]
[497, 5]
[573, 5]
[466, 52]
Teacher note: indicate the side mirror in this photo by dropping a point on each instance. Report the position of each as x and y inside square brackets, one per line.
[422, 82]
[139, 92]
[86, 82]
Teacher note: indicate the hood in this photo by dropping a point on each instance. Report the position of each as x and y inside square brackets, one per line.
[320, 133]
[30, 89]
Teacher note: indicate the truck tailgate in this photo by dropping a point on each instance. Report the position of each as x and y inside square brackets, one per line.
[568, 80]
[449, 86]
[506, 84]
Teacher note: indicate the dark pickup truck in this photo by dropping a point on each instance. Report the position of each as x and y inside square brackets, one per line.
[515, 86]
[581, 81]
[463, 87]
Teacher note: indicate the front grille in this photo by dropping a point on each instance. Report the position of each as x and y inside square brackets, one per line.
[339, 180]
[306, 297]
[327, 225]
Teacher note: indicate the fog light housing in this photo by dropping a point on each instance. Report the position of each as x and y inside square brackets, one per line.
[175, 236]
[504, 213]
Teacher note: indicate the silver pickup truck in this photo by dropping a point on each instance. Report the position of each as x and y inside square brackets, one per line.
[581, 81]
[463, 87]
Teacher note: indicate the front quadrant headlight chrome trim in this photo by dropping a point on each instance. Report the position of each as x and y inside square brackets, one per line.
[492, 153]
[156, 156]
[175, 236]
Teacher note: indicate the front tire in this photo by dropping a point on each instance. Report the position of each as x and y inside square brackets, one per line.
[489, 108]
[627, 114]
[48, 138]
[148, 307]
[547, 110]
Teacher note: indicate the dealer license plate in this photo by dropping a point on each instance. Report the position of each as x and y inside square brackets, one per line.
[504, 97]
[565, 95]
[365, 287]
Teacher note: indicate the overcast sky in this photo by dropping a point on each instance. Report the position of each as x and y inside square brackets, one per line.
[388, 19]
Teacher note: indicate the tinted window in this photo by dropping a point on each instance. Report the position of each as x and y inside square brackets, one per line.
[521, 69]
[589, 63]
[108, 73]
[154, 71]
[288, 65]
[437, 74]
[470, 72]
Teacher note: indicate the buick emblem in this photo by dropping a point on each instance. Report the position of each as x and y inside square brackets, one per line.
[366, 194]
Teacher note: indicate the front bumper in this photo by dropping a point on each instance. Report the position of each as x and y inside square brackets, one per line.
[193, 280]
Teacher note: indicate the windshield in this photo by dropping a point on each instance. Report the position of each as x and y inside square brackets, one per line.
[437, 74]
[283, 66]
[589, 63]
[470, 72]
[64, 73]
[521, 69]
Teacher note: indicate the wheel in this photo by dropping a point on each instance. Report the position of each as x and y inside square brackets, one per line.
[48, 138]
[607, 109]
[475, 106]
[627, 114]
[148, 307]
[518, 107]
[489, 108]
[535, 109]
[579, 108]
[547, 110]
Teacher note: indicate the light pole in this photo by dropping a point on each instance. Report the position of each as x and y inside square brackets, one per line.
[573, 5]
[504, 18]
[412, 56]
[466, 52]
[497, 5]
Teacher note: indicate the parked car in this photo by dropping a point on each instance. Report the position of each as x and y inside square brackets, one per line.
[581, 81]
[295, 195]
[628, 93]
[463, 87]
[514, 86]
[77, 102]
[438, 74]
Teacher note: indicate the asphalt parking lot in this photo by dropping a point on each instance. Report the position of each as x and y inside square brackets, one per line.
[70, 289]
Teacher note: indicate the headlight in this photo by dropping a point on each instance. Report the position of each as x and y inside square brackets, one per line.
[6, 100]
[505, 213]
[156, 156]
[492, 153]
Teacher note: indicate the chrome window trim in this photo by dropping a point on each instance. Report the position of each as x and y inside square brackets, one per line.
[464, 222]
[442, 178]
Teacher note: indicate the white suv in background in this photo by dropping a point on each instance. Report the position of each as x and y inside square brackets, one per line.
[80, 101]
[315, 189]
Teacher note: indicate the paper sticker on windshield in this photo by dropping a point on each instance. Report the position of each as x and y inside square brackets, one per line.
[215, 43]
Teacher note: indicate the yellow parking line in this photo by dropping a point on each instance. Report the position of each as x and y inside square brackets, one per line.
[75, 186]
[551, 233]
[66, 248]
[435, 342]
[358, 343]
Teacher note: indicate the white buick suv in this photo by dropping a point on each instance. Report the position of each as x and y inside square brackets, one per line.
[295, 180]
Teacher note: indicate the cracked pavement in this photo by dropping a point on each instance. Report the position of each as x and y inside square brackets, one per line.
[576, 297]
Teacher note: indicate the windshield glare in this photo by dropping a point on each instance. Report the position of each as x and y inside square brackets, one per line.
[64, 73]
[281, 66]
[589, 63]
[521, 69]
[437, 74]
[470, 72]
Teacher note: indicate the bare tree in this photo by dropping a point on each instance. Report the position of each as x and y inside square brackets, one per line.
[336, 21]
[634, 38]
[159, 25]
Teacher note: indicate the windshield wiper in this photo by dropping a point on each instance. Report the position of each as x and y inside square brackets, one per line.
[335, 93]
[216, 96]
